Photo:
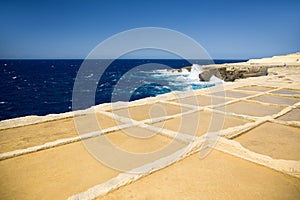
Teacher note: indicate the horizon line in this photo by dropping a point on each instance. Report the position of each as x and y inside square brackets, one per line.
[122, 59]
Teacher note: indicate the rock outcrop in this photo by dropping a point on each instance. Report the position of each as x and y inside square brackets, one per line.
[238, 72]
[231, 73]
[206, 74]
[251, 68]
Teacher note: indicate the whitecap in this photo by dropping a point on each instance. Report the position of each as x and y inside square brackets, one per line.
[215, 80]
[183, 78]
[195, 71]
[185, 71]
[160, 71]
[89, 76]
[157, 87]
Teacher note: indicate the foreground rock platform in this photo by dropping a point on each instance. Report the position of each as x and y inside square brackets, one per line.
[255, 153]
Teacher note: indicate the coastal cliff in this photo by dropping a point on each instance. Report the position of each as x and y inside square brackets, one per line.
[251, 68]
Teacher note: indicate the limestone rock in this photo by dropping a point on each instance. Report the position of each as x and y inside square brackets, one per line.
[205, 75]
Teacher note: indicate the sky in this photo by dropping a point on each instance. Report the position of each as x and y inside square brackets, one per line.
[72, 29]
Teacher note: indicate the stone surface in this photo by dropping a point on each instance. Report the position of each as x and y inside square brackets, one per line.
[200, 123]
[218, 176]
[252, 109]
[149, 111]
[205, 76]
[54, 173]
[275, 140]
[68, 170]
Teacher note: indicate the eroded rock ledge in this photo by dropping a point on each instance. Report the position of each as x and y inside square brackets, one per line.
[251, 68]
[232, 72]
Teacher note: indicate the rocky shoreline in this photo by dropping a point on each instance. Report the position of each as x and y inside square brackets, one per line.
[251, 68]
[260, 136]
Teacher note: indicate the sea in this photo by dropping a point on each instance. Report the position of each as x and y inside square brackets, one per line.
[41, 87]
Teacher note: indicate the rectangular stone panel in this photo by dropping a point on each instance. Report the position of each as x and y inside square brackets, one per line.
[232, 94]
[38, 134]
[217, 176]
[275, 140]
[249, 108]
[149, 111]
[200, 123]
[55, 173]
[276, 99]
[293, 115]
[255, 88]
[287, 92]
[201, 100]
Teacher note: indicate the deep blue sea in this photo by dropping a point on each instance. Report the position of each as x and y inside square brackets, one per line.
[40, 87]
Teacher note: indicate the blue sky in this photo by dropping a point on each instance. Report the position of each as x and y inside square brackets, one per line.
[71, 29]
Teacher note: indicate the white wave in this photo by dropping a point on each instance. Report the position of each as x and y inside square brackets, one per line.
[166, 87]
[185, 71]
[164, 72]
[215, 80]
[89, 76]
[195, 71]
[181, 78]
[160, 71]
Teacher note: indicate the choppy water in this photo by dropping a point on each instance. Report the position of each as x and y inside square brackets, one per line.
[40, 87]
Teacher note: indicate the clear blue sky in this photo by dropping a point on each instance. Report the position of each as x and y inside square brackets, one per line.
[71, 29]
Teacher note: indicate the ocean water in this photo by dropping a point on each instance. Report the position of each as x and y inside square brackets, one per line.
[40, 87]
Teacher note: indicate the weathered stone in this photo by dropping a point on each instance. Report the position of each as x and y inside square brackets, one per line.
[214, 71]
[222, 73]
[231, 72]
[205, 75]
[209, 72]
